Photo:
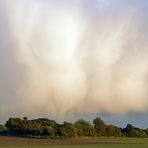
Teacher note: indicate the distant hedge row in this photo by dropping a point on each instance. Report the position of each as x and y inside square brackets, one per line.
[46, 128]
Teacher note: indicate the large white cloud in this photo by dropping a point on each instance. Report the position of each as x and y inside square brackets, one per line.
[60, 57]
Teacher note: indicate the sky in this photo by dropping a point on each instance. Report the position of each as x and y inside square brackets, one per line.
[65, 60]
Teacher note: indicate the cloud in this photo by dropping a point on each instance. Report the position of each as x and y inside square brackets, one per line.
[61, 57]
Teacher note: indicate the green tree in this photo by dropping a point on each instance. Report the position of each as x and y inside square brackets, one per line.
[146, 132]
[112, 130]
[3, 130]
[84, 128]
[15, 126]
[131, 131]
[99, 126]
[48, 128]
[68, 130]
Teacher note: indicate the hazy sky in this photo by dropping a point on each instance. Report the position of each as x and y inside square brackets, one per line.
[65, 59]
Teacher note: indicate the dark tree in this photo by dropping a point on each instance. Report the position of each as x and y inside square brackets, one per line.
[99, 126]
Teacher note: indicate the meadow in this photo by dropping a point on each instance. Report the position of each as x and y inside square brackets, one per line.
[13, 142]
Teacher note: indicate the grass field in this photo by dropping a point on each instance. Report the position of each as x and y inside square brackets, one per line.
[11, 142]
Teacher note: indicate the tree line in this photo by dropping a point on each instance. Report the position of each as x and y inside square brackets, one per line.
[46, 128]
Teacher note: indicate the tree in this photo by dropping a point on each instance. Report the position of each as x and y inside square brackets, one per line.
[68, 130]
[99, 126]
[112, 130]
[131, 131]
[84, 128]
[43, 127]
[46, 127]
[3, 130]
[15, 126]
[146, 132]
[48, 132]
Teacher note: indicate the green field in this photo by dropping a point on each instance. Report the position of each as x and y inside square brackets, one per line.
[9, 142]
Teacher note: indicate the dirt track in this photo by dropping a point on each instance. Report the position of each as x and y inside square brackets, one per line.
[17, 141]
